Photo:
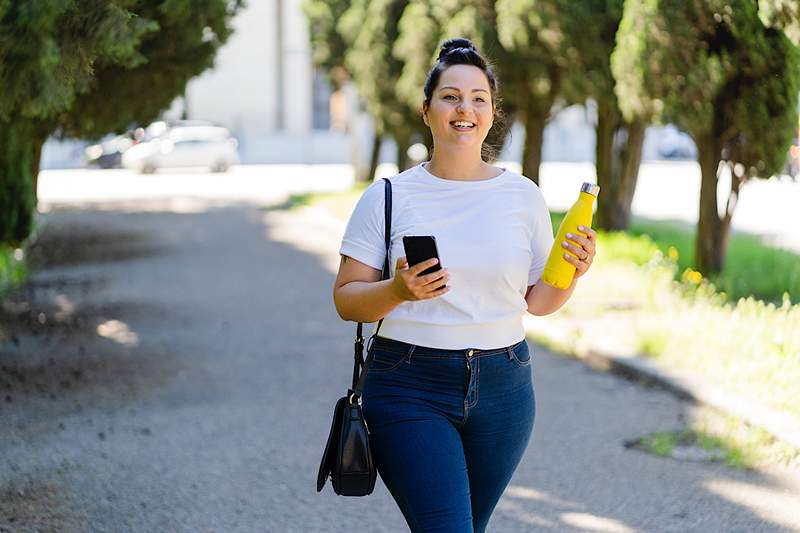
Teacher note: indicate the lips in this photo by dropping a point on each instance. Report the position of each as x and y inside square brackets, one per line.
[463, 125]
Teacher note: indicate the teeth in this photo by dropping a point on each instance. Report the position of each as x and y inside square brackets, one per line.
[463, 124]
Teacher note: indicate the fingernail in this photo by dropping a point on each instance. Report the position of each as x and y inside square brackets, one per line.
[569, 235]
[582, 228]
[565, 243]
[566, 256]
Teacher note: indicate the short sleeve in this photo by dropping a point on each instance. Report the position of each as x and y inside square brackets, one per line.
[364, 236]
[541, 242]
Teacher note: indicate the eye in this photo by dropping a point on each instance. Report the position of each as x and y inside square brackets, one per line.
[480, 99]
[449, 96]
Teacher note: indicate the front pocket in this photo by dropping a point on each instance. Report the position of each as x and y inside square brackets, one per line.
[385, 360]
[521, 353]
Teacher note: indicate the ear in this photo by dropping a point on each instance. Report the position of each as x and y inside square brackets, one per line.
[425, 115]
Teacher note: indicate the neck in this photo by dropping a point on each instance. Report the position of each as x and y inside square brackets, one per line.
[460, 166]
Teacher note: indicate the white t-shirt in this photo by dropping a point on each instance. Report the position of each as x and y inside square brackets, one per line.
[493, 236]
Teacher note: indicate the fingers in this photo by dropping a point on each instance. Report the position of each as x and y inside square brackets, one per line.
[439, 275]
[586, 244]
[581, 255]
[416, 287]
[419, 267]
[402, 262]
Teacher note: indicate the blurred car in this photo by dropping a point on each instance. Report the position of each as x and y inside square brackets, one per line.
[184, 145]
[108, 153]
[674, 144]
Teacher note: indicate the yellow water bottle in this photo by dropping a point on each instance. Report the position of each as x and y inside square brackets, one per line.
[558, 272]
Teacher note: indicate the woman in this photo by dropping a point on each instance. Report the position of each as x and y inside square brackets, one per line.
[448, 396]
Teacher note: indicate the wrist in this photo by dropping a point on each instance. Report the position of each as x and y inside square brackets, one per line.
[395, 293]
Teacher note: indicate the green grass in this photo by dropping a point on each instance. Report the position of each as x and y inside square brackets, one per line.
[752, 268]
[12, 268]
[723, 438]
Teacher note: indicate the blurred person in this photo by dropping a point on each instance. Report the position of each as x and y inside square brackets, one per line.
[448, 396]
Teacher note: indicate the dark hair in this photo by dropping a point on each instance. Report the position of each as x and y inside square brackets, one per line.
[464, 52]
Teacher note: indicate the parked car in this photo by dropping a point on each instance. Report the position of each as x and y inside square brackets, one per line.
[675, 144]
[108, 153]
[184, 145]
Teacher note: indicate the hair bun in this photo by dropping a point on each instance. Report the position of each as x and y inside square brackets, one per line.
[454, 44]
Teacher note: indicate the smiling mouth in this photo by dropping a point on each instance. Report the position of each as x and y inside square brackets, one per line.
[463, 125]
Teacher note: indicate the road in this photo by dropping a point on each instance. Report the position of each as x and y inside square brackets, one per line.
[666, 190]
[174, 369]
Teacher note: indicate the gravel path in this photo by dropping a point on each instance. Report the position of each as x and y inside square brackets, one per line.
[177, 371]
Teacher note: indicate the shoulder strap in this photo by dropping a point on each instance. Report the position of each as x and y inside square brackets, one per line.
[359, 344]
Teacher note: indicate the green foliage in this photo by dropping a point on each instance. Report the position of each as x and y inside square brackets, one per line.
[50, 50]
[784, 14]
[716, 71]
[748, 260]
[137, 91]
[12, 268]
[371, 30]
[328, 47]
[82, 68]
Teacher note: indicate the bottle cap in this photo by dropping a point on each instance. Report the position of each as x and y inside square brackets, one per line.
[591, 188]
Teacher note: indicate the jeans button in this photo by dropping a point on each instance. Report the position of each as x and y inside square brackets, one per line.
[469, 353]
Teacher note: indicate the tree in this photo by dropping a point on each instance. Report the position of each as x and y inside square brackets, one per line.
[372, 26]
[534, 60]
[589, 30]
[717, 71]
[84, 68]
[329, 49]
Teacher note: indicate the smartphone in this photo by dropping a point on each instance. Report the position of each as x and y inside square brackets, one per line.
[420, 248]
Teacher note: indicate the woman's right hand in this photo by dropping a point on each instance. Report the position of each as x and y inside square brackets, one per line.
[409, 285]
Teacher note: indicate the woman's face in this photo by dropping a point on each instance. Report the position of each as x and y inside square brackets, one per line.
[461, 111]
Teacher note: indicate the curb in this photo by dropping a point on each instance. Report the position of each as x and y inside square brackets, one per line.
[689, 386]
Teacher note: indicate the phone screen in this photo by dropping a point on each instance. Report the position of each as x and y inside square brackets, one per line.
[420, 248]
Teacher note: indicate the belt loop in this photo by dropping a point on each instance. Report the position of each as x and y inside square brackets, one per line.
[510, 351]
[410, 353]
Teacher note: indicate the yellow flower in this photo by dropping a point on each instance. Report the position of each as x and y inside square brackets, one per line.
[692, 276]
[672, 253]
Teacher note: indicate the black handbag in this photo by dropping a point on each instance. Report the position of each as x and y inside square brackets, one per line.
[347, 458]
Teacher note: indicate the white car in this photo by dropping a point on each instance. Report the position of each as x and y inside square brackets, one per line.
[212, 147]
[675, 144]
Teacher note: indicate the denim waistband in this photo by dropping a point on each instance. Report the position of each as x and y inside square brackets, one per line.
[400, 346]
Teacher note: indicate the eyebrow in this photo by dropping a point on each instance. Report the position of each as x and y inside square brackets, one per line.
[457, 89]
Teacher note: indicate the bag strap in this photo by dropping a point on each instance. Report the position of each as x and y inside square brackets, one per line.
[358, 374]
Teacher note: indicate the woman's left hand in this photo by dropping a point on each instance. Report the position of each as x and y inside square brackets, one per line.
[583, 253]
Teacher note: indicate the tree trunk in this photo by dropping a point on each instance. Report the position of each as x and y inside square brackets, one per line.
[535, 114]
[20, 146]
[712, 233]
[618, 155]
[535, 122]
[403, 142]
[375, 153]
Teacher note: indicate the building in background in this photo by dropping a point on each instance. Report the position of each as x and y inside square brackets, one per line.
[264, 88]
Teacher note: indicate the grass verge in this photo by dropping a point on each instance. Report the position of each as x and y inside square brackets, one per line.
[712, 436]
[12, 268]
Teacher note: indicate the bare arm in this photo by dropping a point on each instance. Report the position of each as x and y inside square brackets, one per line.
[361, 296]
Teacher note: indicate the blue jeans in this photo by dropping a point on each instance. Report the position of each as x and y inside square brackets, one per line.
[447, 428]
